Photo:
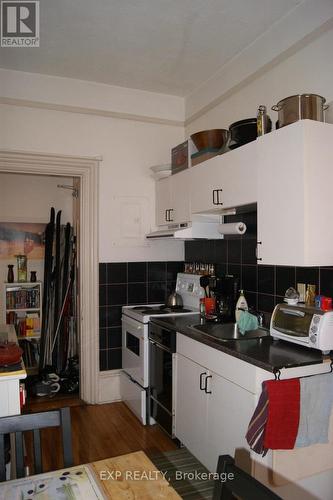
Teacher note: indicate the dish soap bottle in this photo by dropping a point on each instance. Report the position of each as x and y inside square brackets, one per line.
[241, 304]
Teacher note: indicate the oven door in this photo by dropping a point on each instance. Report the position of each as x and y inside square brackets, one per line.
[161, 381]
[135, 350]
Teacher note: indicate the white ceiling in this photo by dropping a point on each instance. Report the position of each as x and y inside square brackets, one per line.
[166, 46]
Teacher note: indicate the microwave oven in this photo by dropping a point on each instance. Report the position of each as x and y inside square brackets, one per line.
[304, 325]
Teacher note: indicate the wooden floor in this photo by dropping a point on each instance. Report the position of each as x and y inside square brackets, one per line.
[101, 431]
[44, 403]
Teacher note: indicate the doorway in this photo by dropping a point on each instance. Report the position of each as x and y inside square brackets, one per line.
[82, 175]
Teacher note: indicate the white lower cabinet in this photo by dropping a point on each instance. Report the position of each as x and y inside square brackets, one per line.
[230, 409]
[215, 422]
[191, 405]
[212, 413]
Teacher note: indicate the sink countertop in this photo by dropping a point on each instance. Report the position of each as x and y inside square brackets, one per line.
[266, 353]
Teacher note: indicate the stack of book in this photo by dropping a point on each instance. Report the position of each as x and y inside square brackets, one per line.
[22, 298]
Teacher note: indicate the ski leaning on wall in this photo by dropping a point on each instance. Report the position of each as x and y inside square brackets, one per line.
[59, 342]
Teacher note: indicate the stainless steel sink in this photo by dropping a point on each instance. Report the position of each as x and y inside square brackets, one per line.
[228, 331]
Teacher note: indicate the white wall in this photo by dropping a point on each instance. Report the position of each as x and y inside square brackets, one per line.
[26, 198]
[308, 70]
[128, 148]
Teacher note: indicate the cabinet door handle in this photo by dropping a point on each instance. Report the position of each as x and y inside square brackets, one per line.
[202, 387]
[214, 191]
[257, 250]
[206, 384]
[166, 215]
[218, 197]
[170, 219]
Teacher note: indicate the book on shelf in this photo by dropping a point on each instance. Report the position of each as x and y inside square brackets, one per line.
[23, 298]
[26, 324]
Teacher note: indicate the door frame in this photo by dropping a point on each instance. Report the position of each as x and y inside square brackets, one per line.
[87, 170]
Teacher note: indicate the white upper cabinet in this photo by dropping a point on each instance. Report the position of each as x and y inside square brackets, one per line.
[295, 195]
[225, 181]
[289, 173]
[173, 199]
[163, 201]
[180, 196]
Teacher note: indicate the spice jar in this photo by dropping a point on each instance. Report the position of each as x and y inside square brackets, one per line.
[21, 268]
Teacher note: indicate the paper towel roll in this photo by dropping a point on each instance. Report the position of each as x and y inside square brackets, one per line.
[232, 228]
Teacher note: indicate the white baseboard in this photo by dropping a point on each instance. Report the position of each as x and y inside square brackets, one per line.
[109, 386]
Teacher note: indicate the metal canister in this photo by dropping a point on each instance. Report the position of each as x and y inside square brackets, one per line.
[299, 107]
[264, 124]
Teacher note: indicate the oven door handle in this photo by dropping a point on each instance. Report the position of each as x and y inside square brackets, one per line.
[160, 346]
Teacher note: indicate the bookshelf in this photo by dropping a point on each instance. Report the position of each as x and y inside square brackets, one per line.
[23, 310]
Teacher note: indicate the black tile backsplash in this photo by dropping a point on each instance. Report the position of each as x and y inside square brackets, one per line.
[285, 277]
[157, 291]
[172, 269]
[114, 337]
[264, 286]
[235, 251]
[308, 275]
[326, 281]
[249, 247]
[137, 272]
[266, 279]
[117, 295]
[137, 293]
[156, 271]
[249, 278]
[128, 283]
[117, 272]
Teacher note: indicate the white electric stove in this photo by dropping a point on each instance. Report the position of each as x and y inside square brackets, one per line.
[135, 351]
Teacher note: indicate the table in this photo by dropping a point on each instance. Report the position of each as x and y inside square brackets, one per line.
[124, 477]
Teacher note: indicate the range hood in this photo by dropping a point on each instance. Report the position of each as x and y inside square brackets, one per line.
[188, 231]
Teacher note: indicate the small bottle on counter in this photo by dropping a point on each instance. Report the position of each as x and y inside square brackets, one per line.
[202, 308]
[310, 295]
[241, 305]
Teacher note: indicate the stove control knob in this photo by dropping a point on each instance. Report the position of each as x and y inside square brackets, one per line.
[314, 329]
[313, 339]
[316, 319]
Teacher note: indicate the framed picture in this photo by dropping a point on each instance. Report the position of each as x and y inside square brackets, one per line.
[20, 238]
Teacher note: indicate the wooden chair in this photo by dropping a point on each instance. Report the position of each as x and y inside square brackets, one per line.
[34, 422]
[241, 485]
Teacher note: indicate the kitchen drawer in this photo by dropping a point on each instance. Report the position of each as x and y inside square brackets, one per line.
[233, 369]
